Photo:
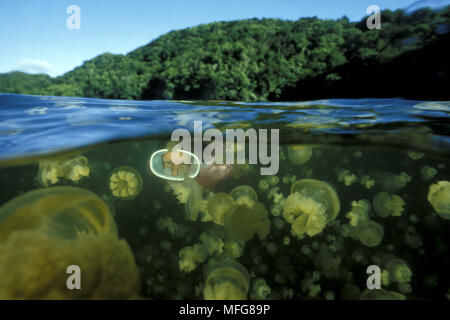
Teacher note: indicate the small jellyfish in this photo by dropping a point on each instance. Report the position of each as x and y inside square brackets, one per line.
[226, 280]
[428, 172]
[51, 171]
[125, 183]
[370, 233]
[439, 197]
[386, 204]
[218, 205]
[242, 222]
[195, 201]
[245, 195]
[398, 270]
[299, 154]
[322, 192]
[64, 212]
[359, 213]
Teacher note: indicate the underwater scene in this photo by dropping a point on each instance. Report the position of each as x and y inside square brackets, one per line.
[360, 197]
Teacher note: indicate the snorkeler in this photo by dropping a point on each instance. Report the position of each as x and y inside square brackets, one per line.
[187, 165]
[176, 169]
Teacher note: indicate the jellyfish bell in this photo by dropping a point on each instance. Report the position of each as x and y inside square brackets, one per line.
[63, 212]
[244, 194]
[125, 183]
[321, 192]
[439, 198]
[242, 222]
[218, 206]
[210, 175]
[73, 168]
[226, 280]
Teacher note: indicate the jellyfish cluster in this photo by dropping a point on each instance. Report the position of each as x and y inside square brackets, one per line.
[252, 237]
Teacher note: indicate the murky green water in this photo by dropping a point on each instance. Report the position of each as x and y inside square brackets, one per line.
[178, 258]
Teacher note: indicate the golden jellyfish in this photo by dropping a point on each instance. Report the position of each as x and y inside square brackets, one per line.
[299, 154]
[195, 202]
[320, 191]
[242, 222]
[125, 183]
[57, 227]
[439, 197]
[73, 168]
[245, 195]
[387, 204]
[370, 233]
[218, 206]
[227, 280]
[64, 212]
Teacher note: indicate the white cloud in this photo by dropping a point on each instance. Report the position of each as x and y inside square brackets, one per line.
[35, 66]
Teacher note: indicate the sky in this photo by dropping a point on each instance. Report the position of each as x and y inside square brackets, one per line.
[35, 38]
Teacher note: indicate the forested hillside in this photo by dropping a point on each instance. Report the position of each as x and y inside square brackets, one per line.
[265, 59]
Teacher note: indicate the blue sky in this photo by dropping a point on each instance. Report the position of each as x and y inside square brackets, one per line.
[35, 38]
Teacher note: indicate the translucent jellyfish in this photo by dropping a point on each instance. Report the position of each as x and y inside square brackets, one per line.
[306, 215]
[427, 172]
[359, 213]
[260, 289]
[386, 204]
[370, 233]
[439, 197]
[241, 222]
[125, 183]
[36, 265]
[195, 202]
[322, 192]
[73, 168]
[391, 182]
[226, 280]
[245, 195]
[299, 154]
[191, 256]
[52, 228]
[218, 206]
[65, 212]
[346, 177]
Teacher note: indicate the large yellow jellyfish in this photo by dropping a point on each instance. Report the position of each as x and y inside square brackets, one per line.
[386, 204]
[242, 222]
[73, 168]
[439, 197]
[218, 205]
[125, 183]
[299, 154]
[310, 206]
[227, 280]
[65, 212]
[45, 231]
[245, 195]
[305, 214]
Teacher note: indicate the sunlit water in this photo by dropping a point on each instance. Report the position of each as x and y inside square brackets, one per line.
[361, 147]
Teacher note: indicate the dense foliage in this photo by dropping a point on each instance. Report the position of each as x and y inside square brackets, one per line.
[247, 60]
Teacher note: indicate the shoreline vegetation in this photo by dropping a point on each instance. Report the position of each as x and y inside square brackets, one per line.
[269, 60]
